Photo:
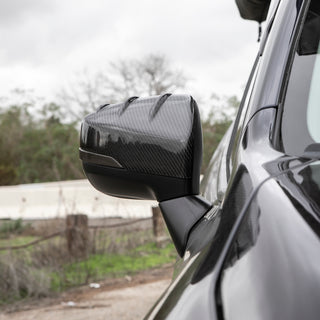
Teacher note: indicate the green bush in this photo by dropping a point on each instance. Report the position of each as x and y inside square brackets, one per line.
[18, 279]
[47, 267]
[12, 226]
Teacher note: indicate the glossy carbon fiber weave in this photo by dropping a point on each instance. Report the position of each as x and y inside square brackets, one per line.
[147, 135]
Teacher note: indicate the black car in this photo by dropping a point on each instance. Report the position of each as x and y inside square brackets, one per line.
[249, 236]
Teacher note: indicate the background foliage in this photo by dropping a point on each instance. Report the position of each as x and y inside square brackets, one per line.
[39, 141]
[37, 150]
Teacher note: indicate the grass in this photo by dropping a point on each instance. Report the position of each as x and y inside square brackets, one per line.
[17, 241]
[12, 227]
[48, 267]
[100, 266]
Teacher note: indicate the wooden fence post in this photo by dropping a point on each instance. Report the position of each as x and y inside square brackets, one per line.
[77, 234]
[159, 227]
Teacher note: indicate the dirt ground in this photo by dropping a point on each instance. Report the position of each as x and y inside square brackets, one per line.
[127, 298]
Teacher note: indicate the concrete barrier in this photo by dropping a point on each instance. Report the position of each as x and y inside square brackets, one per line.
[58, 199]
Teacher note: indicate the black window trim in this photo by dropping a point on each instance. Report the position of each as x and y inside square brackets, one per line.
[248, 85]
[239, 113]
[276, 139]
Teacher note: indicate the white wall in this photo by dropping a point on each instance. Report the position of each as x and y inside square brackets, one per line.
[57, 199]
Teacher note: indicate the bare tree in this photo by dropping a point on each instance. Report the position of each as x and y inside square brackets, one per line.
[84, 94]
[151, 75]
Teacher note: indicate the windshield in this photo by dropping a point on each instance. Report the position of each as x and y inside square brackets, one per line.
[301, 116]
[313, 111]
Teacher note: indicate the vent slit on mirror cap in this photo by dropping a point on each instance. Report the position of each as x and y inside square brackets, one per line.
[102, 106]
[126, 104]
[159, 103]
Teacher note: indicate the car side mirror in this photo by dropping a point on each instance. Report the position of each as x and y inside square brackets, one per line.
[149, 148]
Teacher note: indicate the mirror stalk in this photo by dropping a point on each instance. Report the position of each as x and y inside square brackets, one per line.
[180, 215]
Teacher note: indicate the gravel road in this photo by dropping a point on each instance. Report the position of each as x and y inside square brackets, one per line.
[125, 303]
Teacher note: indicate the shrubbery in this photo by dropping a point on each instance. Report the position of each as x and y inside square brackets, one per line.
[37, 149]
[46, 268]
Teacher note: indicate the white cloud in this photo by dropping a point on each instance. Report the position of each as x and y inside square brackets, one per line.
[46, 41]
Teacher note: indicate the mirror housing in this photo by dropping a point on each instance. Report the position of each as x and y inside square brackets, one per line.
[148, 148]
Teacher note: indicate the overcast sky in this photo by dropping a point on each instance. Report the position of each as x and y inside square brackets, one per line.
[44, 42]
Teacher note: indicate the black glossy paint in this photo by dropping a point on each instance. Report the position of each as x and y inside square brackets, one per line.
[253, 10]
[212, 236]
[149, 148]
[144, 148]
[274, 57]
[276, 275]
[180, 215]
[256, 253]
[145, 135]
[250, 257]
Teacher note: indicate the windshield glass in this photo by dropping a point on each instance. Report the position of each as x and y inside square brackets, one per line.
[301, 116]
[313, 111]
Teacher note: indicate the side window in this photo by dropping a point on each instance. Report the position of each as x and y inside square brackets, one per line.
[215, 181]
[238, 124]
[301, 109]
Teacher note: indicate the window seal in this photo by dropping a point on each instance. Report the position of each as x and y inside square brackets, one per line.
[239, 113]
[276, 139]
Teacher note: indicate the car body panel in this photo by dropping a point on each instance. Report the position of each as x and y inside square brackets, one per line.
[256, 254]
[276, 275]
[277, 43]
[250, 243]
[224, 261]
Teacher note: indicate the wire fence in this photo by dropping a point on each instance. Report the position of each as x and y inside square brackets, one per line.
[62, 255]
[61, 233]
